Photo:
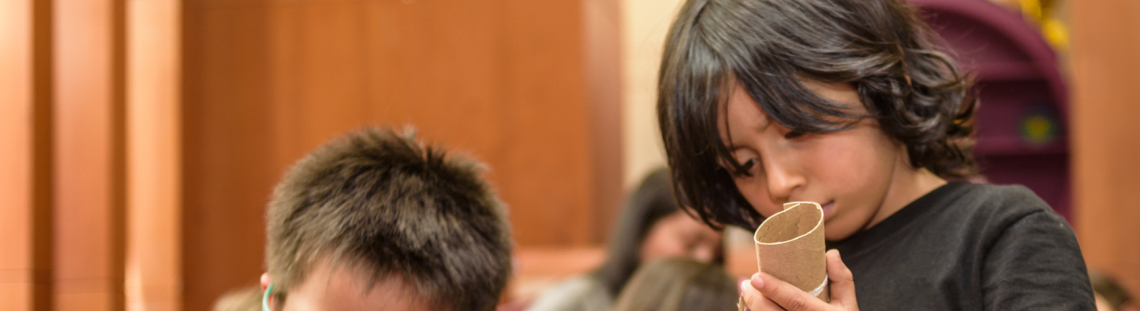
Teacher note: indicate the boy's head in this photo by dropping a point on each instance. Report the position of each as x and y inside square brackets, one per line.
[762, 102]
[375, 218]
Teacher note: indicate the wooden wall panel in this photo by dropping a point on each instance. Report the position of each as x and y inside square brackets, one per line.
[154, 218]
[226, 147]
[1105, 62]
[88, 160]
[454, 71]
[25, 170]
[546, 171]
[510, 82]
[602, 52]
[16, 162]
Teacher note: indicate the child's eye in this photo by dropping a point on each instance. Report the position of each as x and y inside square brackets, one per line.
[746, 167]
[793, 134]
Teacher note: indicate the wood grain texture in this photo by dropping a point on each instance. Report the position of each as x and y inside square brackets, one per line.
[1106, 42]
[153, 268]
[510, 83]
[18, 286]
[88, 181]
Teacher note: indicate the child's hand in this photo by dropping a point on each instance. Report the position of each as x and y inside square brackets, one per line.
[765, 292]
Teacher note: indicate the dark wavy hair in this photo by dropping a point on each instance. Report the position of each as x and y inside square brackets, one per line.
[917, 93]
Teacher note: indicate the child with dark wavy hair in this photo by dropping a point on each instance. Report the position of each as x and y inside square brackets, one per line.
[849, 103]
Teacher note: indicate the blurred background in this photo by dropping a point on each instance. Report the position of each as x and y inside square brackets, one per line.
[140, 139]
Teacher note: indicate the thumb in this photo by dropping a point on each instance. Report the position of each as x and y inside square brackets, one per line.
[842, 282]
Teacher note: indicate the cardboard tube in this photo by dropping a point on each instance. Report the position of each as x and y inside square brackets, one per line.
[790, 246]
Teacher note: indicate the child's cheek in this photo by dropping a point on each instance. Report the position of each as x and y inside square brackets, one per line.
[757, 195]
[764, 205]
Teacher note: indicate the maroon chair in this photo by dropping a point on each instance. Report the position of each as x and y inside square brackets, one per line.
[1021, 124]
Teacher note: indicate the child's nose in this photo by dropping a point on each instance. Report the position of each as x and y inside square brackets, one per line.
[782, 180]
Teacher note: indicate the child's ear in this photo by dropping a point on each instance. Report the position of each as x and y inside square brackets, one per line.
[265, 281]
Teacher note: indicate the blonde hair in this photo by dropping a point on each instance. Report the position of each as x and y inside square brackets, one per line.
[241, 299]
[673, 284]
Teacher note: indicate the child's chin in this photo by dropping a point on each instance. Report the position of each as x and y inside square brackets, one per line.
[836, 235]
[833, 230]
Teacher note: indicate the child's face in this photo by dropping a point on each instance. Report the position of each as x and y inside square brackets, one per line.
[850, 173]
[347, 288]
[680, 235]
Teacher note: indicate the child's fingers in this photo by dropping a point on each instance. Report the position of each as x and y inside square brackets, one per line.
[754, 300]
[786, 295]
[842, 282]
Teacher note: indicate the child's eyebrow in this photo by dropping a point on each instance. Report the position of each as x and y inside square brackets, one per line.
[763, 125]
[759, 127]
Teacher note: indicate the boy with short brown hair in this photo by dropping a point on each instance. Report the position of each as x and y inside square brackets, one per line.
[374, 220]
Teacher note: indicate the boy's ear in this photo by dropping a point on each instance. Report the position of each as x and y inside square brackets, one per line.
[265, 281]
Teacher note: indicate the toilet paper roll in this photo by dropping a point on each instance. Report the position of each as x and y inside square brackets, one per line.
[790, 246]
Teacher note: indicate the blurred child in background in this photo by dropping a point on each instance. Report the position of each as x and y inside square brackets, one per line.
[376, 221]
[650, 226]
[1110, 295]
[678, 284]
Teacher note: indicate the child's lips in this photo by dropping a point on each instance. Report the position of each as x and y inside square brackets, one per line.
[828, 209]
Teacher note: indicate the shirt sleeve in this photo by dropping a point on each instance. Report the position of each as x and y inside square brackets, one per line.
[1035, 263]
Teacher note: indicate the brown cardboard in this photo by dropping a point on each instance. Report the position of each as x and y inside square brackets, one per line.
[790, 246]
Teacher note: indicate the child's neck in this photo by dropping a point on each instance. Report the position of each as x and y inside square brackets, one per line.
[908, 184]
